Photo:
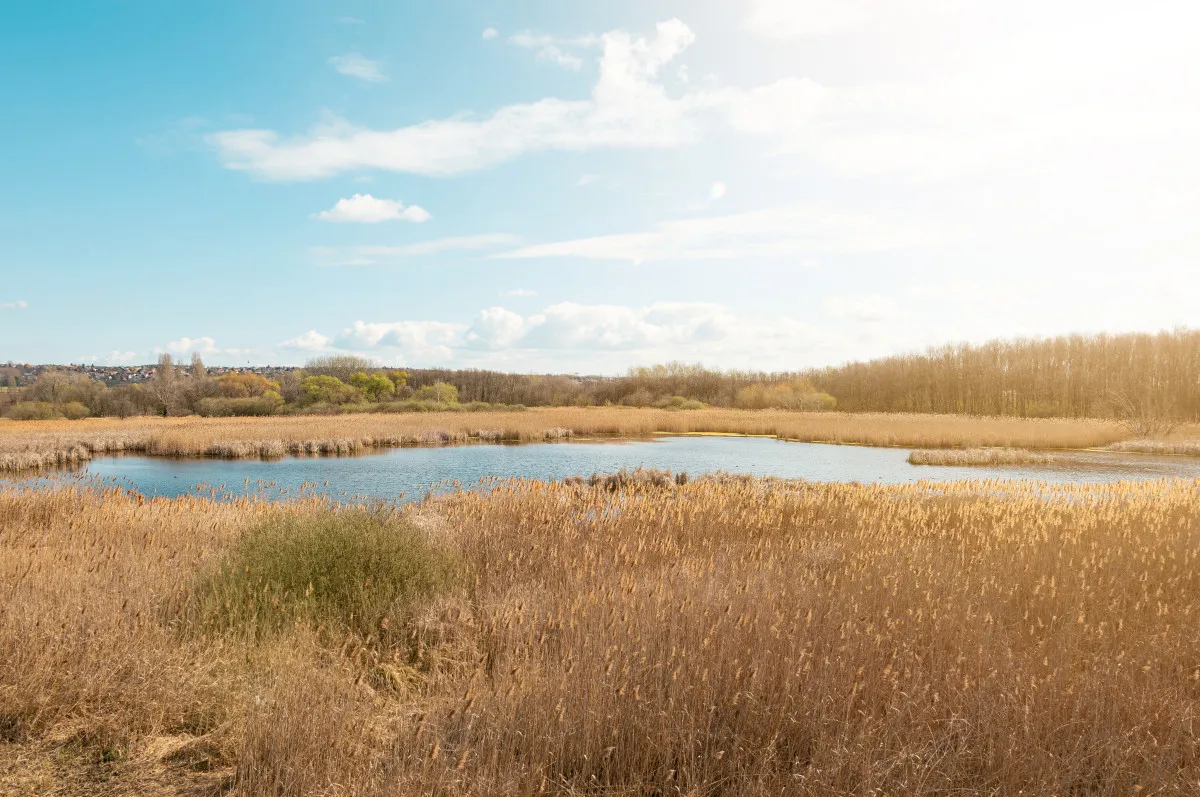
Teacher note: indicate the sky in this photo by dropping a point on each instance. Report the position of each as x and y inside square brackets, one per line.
[582, 187]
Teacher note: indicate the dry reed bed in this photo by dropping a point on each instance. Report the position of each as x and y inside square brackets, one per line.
[1176, 448]
[978, 456]
[26, 445]
[722, 637]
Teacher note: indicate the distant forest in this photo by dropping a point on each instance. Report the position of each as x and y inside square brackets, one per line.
[1128, 376]
[1071, 376]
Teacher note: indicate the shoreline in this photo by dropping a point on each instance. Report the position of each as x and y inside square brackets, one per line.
[32, 445]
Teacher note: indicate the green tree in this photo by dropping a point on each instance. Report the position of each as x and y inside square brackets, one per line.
[245, 385]
[329, 390]
[441, 392]
[341, 366]
[376, 387]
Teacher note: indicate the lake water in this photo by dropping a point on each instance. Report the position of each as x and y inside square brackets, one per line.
[408, 471]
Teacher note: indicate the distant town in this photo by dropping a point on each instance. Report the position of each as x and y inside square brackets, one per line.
[23, 374]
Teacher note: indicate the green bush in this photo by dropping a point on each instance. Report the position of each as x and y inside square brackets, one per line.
[680, 403]
[340, 571]
[33, 411]
[74, 410]
[266, 404]
[329, 390]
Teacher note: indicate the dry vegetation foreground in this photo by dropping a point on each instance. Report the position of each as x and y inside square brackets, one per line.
[33, 444]
[721, 637]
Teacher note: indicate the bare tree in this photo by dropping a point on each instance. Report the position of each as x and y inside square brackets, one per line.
[1143, 418]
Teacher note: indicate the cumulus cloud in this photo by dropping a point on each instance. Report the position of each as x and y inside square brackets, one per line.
[496, 328]
[356, 66]
[862, 308]
[1010, 101]
[373, 255]
[366, 209]
[628, 108]
[428, 340]
[790, 231]
[311, 340]
[19, 304]
[659, 331]
[203, 345]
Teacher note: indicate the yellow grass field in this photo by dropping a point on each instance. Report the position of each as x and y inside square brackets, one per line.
[724, 637]
[31, 444]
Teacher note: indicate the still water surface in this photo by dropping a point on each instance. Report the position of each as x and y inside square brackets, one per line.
[409, 471]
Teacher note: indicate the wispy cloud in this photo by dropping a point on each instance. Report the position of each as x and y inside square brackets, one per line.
[366, 209]
[519, 292]
[490, 33]
[356, 66]
[556, 49]
[790, 231]
[373, 255]
[19, 304]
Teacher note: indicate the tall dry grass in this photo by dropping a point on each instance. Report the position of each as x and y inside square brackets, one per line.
[966, 457]
[39, 444]
[720, 637]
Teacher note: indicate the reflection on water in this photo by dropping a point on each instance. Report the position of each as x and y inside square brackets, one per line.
[410, 471]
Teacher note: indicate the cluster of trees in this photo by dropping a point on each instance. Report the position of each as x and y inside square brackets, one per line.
[348, 384]
[673, 385]
[1136, 377]
[326, 385]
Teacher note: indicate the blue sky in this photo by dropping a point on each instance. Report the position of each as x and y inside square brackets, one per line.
[583, 187]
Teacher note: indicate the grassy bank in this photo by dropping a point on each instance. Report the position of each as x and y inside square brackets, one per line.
[715, 637]
[42, 443]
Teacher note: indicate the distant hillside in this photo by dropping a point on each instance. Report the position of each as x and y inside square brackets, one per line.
[1070, 376]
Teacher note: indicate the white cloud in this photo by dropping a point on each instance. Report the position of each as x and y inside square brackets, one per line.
[20, 304]
[586, 180]
[311, 340]
[495, 328]
[862, 308]
[366, 209]
[114, 357]
[556, 49]
[204, 345]
[370, 255]
[628, 108]
[717, 191]
[356, 66]
[790, 231]
[595, 336]
[984, 103]
[430, 340]
[490, 33]
[519, 293]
